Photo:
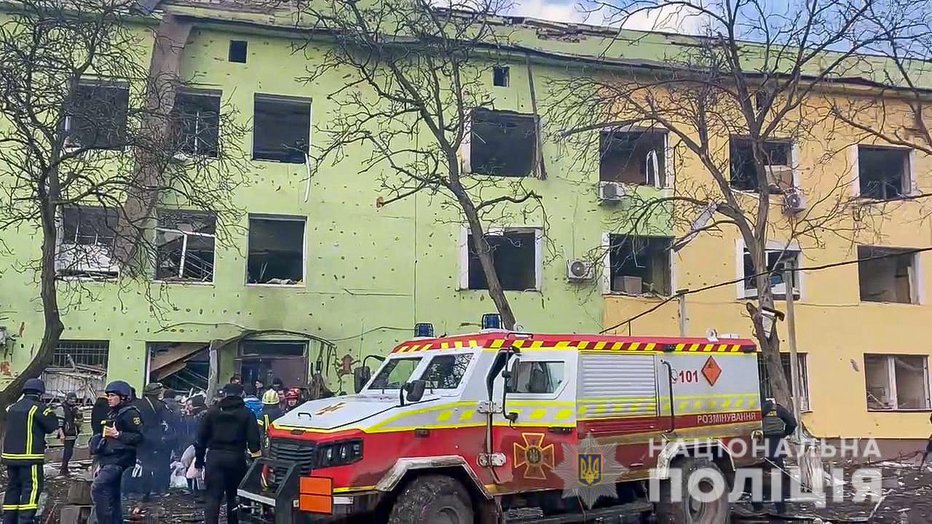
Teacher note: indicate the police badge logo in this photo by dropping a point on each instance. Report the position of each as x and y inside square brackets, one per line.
[589, 471]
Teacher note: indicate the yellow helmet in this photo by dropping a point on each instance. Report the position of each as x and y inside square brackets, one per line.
[270, 397]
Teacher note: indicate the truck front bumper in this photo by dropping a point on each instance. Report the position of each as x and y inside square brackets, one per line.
[282, 503]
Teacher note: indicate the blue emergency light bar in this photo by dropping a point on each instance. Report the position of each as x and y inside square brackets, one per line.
[491, 321]
[424, 329]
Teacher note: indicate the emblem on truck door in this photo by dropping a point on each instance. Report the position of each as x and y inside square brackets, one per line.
[534, 456]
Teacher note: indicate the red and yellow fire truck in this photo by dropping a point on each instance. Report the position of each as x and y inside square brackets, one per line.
[501, 426]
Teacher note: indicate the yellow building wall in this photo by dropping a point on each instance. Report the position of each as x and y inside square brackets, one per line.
[834, 328]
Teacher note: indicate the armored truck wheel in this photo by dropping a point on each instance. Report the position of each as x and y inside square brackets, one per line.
[702, 497]
[436, 499]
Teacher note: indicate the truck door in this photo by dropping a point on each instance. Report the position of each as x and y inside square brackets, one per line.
[539, 418]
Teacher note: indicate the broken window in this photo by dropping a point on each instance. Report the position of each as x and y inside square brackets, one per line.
[766, 389]
[500, 76]
[640, 265]
[777, 262]
[887, 275]
[198, 122]
[897, 382]
[78, 366]
[185, 246]
[883, 172]
[281, 129]
[514, 254]
[502, 143]
[276, 251]
[632, 157]
[88, 236]
[97, 116]
[777, 162]
[238, 51]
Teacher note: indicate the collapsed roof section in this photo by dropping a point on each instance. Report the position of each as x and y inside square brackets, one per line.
[548, 40]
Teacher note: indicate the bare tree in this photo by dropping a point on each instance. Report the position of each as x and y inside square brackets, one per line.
[893, 108]
[737, 102]
[78, 153]
[414, 95]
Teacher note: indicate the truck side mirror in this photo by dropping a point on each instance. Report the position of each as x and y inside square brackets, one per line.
[507, 375]
[415, 390]
[361, 376]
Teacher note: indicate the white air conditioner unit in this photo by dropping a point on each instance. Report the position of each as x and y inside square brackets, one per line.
[86, 258]
[793, 202]
[579, 269]
[611, 191]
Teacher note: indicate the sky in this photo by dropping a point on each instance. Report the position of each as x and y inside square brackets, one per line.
[664, 19]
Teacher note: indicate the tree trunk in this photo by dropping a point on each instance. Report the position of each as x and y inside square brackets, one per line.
[484, 251]
[770, 348]
[162, 86]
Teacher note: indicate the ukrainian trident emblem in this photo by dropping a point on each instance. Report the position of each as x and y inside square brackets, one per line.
[590, 469]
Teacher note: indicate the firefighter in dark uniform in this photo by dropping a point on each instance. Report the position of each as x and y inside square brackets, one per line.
[28, 421]
[115, 450]
[778, 423]
[271, 410]
[227, 431]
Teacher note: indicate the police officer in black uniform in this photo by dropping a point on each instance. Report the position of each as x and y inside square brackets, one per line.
[227, 430]
[115, 449]
[778, 424]
[28, 422]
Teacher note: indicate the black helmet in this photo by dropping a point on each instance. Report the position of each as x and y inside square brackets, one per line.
[120, 388]
[34, 385]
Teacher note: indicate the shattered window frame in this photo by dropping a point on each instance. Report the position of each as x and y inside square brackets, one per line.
[883, 381]
[875, 269]
[472, 276]
[251, 245]
[883, 188]
[803, 364]
[775, 258]
[196, 114]
[93, 102]
[481, 162]
[263, 115]
[87, 252]
[168, 222]
[741, 158]
[618, 149]
[639, 247]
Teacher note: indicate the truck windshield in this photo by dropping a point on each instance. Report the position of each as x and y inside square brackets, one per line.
[396, 373]
[446, 371]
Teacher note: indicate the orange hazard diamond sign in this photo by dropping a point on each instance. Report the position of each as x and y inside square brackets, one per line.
[711, 371]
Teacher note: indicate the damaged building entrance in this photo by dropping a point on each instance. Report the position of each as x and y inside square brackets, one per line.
[267, 360]
[182, 366]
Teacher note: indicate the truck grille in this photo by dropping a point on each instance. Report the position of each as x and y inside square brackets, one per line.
[300, 452]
